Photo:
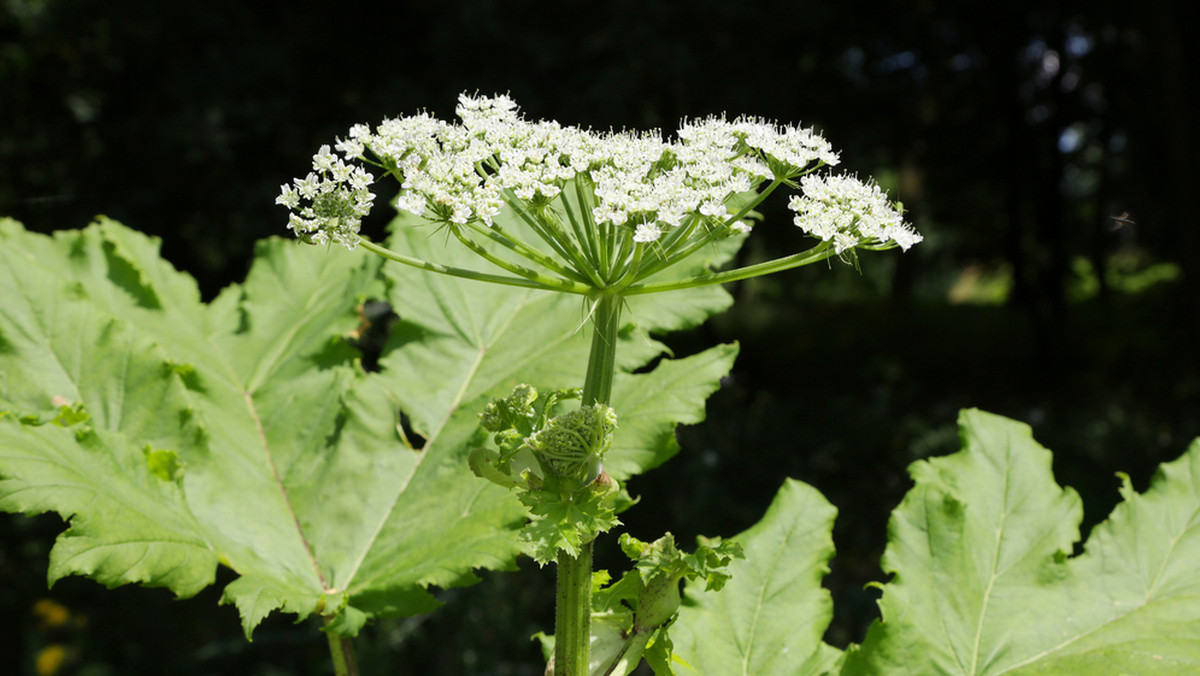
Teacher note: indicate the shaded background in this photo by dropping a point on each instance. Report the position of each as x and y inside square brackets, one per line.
[1011, 134]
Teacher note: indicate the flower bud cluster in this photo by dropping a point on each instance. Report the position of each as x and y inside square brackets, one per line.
[469, 171]
[573, 444]
[513, 412]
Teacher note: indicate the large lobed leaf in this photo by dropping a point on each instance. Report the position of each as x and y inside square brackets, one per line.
[983, 581]
[771, 614]
[243, 430]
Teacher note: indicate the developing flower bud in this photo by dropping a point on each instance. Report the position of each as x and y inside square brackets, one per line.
[500, 414]
[573, 444]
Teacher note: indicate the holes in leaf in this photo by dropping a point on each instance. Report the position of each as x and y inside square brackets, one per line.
[376, 318]
[404, 428]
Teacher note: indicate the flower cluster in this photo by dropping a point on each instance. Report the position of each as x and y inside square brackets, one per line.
[468, 172]
[849, 213]
[338, 198]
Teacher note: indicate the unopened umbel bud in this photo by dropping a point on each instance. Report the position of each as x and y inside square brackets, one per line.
[573, 444]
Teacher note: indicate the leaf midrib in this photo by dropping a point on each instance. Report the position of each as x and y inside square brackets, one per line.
[264, 367]
[483, 349]
[994, 574]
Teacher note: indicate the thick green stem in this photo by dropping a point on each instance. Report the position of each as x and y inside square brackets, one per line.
[602, 362]
[342, 651]
[573, 609]
[573, 613]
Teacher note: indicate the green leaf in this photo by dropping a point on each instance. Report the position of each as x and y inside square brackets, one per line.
[52, 336]
[770, 616]
[565, 523]
[130, 525]
[247, 426]
[983, 583]
[649, 406]
[239, 391]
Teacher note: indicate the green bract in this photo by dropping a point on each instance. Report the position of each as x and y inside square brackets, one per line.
[572, 445]
[553, 461]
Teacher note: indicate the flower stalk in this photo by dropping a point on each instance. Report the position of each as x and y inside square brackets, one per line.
[573, 598]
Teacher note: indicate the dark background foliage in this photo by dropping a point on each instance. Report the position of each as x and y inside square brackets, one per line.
[1011, 131]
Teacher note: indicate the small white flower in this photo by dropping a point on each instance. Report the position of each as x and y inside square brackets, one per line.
[647, 232]
[411, 202]
[308, 186]
[350, 148]
[359, 179]
[714, 209]
[323, 160]
[288, 197]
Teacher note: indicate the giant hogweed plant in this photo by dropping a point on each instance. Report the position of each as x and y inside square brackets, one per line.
[513, 399]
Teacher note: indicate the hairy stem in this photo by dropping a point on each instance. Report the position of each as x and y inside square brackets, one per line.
[597, 384]
[573, 613]
[573, 608]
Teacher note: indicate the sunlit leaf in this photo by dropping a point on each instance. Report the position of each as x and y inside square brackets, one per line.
[243, 431]
[983, 583]
[770, 616]
[982, 577]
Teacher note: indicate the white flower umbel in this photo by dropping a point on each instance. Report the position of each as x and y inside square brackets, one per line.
[849, 213]
[620, 193]
[338, 199]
